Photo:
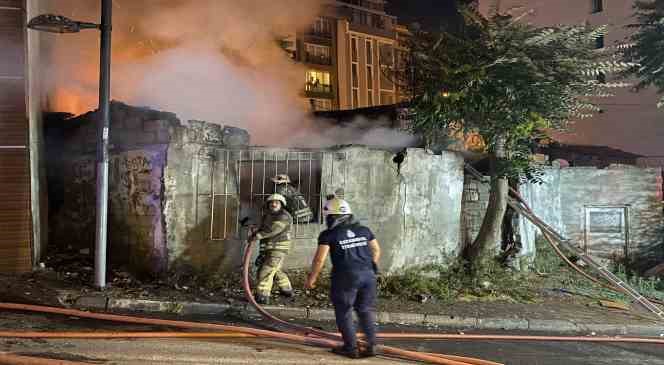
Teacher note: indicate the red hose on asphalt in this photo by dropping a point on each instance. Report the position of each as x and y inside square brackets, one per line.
[386, 336]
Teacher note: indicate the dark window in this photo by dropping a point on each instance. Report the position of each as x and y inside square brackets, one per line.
[597, 6]
[599, 42]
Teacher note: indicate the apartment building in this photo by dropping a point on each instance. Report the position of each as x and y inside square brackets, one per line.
[615, 125]
[350, 53]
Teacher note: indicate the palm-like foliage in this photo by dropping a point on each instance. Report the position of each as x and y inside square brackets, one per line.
[648, 45]
[506, 79]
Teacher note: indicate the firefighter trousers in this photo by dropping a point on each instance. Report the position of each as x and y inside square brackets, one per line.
[354, 290]
[270, 271]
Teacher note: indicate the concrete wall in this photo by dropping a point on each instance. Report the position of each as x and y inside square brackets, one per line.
[138, 141]
[416, 214]
[544, 200]
[568, 197]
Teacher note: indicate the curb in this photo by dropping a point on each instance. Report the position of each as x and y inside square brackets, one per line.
[293, 313]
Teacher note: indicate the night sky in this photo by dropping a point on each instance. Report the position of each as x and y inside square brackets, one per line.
[431, 14]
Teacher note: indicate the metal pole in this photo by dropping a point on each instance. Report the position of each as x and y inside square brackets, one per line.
[102, 144]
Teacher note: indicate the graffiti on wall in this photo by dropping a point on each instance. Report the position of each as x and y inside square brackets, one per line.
[135, 184]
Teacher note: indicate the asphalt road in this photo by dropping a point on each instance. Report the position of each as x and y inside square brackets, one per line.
[252, 351]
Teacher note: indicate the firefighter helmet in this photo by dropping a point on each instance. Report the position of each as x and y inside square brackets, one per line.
[281, 179]
[336, 206]
[278, 197]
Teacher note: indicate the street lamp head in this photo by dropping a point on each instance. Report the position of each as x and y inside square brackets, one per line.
[58, 24]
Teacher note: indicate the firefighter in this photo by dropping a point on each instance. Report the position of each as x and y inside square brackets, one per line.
[355, 253]
[275, 242]
[297, 204]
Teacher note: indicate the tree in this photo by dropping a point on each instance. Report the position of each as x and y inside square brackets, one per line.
[508, 82]
[648, 45]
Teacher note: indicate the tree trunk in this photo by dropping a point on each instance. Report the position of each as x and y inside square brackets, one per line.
[484, 246]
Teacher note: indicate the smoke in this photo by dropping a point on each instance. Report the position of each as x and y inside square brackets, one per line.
[214, 60]
[359, 131]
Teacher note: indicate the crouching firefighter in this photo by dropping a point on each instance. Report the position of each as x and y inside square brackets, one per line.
[275, 242]
[297, 204]
[355, 253]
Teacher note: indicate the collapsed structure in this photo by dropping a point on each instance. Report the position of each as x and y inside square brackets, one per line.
[181, 196]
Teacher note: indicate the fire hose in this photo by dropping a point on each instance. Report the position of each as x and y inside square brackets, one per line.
[310, 336]
[307, 331]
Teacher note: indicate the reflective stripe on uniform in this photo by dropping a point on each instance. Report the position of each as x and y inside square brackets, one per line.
[270, 271]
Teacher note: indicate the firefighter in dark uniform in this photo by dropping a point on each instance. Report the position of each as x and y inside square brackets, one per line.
[355, 253]
[297, 204]
[275, 242]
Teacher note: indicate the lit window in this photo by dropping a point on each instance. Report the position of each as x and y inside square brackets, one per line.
[369, 53]
[369, 77]
[370, 98]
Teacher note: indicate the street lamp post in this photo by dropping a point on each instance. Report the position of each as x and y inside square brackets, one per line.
[59, 24]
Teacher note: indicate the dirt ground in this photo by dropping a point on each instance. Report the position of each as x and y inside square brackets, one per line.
[73, 274]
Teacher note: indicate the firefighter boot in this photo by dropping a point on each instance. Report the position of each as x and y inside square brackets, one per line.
[262, 299]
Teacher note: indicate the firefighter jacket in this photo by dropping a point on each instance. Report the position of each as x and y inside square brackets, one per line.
[274, 232]
[296, 203]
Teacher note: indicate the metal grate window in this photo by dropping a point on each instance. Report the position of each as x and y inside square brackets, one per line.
[240, 181]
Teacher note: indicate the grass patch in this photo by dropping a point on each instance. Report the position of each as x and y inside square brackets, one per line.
[452, 283]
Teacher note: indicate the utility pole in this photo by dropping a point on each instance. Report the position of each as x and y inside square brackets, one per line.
[102, 144]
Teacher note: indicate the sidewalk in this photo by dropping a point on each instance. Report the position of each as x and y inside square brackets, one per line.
[589, 322]
[553, 313]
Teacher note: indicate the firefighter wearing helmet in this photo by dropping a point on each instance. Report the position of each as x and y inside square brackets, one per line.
[297, 204]
[355, 253]
[275, 242]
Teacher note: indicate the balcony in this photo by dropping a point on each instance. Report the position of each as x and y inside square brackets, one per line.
[317, 60]
[318, 90]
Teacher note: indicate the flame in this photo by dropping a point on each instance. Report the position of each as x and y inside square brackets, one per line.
[241, 34]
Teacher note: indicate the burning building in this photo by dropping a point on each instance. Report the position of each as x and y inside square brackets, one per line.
[182, 195]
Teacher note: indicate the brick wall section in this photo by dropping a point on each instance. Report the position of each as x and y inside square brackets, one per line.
[473, 206]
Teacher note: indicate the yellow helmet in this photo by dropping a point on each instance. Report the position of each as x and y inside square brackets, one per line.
[336, 206]
[277, 197]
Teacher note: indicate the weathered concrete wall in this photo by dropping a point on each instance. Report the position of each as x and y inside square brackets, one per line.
[416, 214]
[544, 200]
[197, 163]
[570, 196]
[139, 139]
[634, 188]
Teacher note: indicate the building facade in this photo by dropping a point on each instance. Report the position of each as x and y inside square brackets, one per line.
[350, 54]
[619, 113]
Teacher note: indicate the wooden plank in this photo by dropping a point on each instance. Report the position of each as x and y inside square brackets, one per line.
[15, 214]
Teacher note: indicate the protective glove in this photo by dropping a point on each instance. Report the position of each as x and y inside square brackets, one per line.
[259, 261]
